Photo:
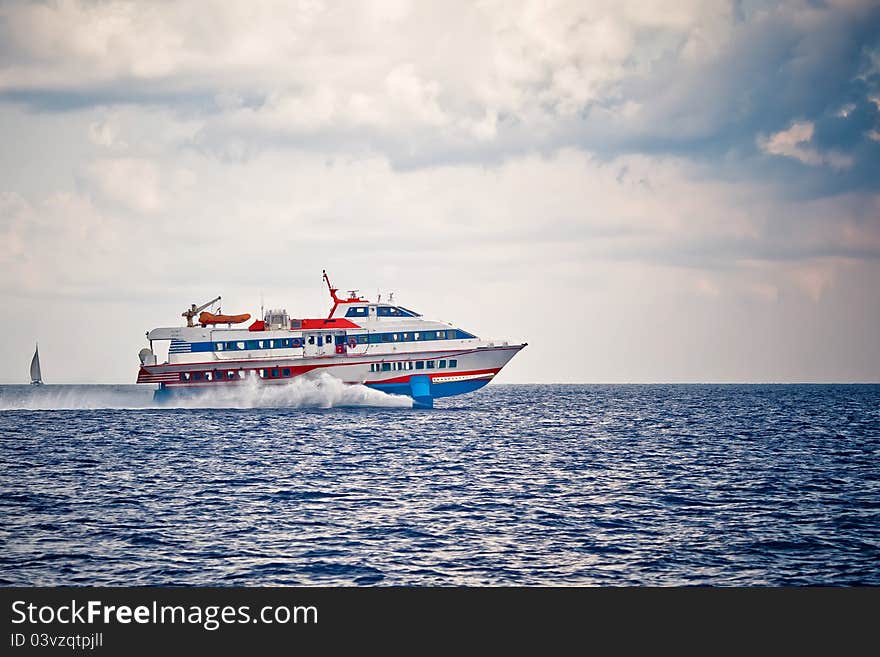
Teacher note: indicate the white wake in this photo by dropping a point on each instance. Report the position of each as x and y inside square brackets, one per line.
[313, 391]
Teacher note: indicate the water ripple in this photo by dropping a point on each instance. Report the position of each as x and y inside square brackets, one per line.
[558, 485]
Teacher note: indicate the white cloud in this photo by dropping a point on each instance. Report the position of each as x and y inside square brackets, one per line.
[794, 142]
[132, 182]
[439, 150]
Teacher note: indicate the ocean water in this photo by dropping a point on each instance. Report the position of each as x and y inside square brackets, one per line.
[318, 484]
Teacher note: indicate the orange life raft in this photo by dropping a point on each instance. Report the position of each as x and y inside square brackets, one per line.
[210, 318]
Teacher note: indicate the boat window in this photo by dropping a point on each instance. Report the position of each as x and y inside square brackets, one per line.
[442, 364]
[386, 337]
[430, 364]
[441, 335]
[357, 311]
[453, 363]
[386, 367]
[420, 364]
[463, 335]
[271, 344]
[230, 375]
[320, 340]
[416, 336]
[409, 365]
[184, 376]
[262, 374]
[241, 374]
[239, 345]
[219, 346]
[197, 376]
[274, 372]
[209, 376]
[396, 336]
[296, 342]
[285, 371]
[406, 312]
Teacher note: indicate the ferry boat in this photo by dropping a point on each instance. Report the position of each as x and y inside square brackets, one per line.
[381, 345]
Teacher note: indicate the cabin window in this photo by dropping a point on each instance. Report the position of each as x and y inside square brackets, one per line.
[409, 365]
[416, 336]
[241, 374]
[441, 335]
[230, 375]
[395, 336]
[262, 374]
[219, 346]
[197, 376]
[239, 345]
[285, 371]
[420, 364]
[209, 376]
[359, 311]
[274, 372]
[442, 364]
[406, 337]
[296, 343]
[320, 339]
[271, 344]
[386, 367]
[453, 362]
[184, 376]
[430, 364]
[311, 339]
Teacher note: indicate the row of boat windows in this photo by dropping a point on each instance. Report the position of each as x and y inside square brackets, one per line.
[381, 311]
[412, 364]
[234, 375]
[351, 340]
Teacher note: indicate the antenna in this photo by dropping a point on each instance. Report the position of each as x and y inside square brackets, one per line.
[262, 312]
[391, 298]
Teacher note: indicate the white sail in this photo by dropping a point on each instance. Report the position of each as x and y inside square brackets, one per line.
[36, 375]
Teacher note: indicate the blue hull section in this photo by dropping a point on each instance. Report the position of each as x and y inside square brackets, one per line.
[435, 390]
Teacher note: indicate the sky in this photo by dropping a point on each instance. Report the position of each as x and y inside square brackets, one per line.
[642, 191]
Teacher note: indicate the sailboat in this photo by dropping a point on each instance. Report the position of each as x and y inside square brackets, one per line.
[36, 375]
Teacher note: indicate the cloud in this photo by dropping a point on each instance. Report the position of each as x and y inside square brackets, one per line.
[676, 177]
[133, 182]
[794, 142]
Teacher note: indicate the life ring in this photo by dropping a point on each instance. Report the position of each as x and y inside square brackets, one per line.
[352, 343]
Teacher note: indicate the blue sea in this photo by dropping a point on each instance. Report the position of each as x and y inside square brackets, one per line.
[317, 484]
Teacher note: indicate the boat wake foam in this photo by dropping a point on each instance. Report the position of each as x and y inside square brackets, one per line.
[320, 391]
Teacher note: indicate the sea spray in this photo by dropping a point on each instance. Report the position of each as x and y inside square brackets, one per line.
[310, 391]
